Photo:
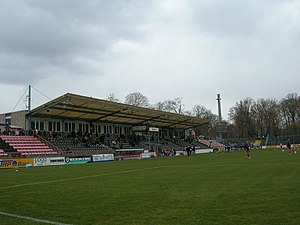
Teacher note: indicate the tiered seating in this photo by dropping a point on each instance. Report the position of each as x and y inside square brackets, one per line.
[2, 153]
[212, 143]
[69, 144]
[28, 145]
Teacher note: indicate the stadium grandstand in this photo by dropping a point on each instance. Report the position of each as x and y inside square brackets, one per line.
[76, 125]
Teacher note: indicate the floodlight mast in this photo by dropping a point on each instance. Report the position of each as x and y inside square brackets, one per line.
[29, 108]
[29, 98]
[219, 107]
[220, 116]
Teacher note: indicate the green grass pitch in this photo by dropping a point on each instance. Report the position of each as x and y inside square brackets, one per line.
[222, 188]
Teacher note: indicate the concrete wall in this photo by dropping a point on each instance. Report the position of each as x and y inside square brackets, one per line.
[2, 118]
[17, 118]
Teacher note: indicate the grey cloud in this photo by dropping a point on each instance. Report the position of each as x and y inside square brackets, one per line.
[206, 45]
[54, 33]
[16, 69]
[227, 18]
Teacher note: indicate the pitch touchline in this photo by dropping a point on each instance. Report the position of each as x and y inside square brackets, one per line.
[79, 178]
[32, 219]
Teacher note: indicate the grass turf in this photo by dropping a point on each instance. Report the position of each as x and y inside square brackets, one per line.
[203, 189]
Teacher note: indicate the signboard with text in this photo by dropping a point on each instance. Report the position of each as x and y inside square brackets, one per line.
[103, 157]
[53, 161]
[153, 129]
[139, 128]
[77, 160]
[146, 155]
[15, 163]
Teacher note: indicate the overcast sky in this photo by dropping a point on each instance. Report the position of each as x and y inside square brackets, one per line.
[193, 49]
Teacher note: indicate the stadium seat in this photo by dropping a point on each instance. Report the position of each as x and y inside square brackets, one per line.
[27, 145]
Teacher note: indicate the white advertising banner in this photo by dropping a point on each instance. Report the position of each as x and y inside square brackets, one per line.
[199, 151]
[146, 155]
[41, 161]
[53, 161]
[153, 129]
[57, 161]
[103, 157]
[139, 128]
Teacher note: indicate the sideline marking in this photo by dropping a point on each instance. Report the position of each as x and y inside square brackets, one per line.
[32, 219]
[79, 178]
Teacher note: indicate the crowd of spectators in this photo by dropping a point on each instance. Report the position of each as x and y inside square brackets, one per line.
[12, 131]
[88, 140]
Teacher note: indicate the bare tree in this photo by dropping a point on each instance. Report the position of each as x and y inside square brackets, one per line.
[241, 115]
[202, 112]
[169, 106]
[290, 112]
[188, 113]
[174, 106]
[209, 129]
[137, 99]
[111, 97]
[266, 116]
[178, 105]
[159, 106]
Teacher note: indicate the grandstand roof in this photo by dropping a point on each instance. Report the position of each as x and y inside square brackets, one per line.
[77, 107]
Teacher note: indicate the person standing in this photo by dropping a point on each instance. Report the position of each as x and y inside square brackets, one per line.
[165, 152]
[247, 147]
[174, 152]
[188, 151]
[289, 146]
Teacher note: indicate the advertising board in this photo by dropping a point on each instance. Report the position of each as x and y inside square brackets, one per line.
[53, 161]
[153, 129]
[147, 155]
[103, 157]
[129, 156]
[200, 151]
[77, 160]
[16, 163]
[139, 128]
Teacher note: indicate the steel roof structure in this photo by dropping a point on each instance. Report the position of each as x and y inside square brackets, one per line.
[77, 107]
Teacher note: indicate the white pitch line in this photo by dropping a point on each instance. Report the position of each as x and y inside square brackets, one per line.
[32, 219]
[78, 178]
